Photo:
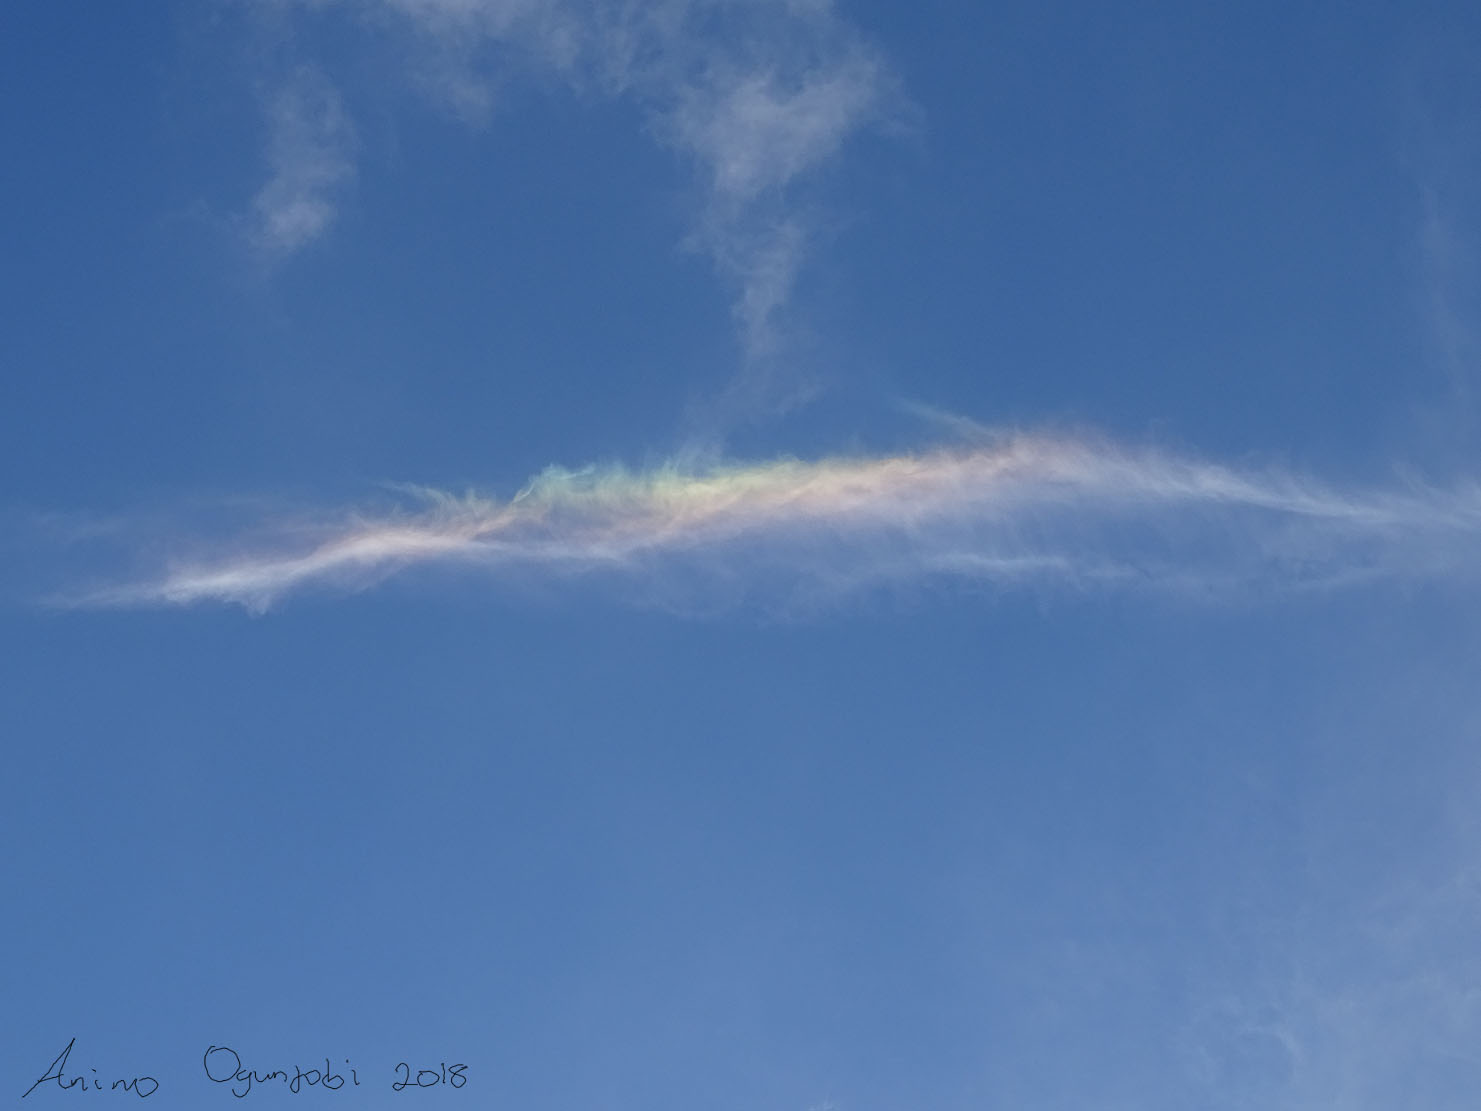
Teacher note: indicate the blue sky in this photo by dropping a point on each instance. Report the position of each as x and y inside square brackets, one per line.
[777, 555]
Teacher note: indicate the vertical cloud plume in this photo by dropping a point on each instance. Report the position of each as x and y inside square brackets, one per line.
[309, 152]
[1441, 151]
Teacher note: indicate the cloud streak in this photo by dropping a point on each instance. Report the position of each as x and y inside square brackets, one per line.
[1009, 509]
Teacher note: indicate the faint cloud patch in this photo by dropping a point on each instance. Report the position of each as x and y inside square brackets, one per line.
[1448, 270]
[1440, 150]
[310, 154]
[1367, 991]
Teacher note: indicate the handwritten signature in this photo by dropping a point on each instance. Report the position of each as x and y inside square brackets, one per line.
[223, 1065]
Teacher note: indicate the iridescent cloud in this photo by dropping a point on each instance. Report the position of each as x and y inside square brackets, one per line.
[1009, 509]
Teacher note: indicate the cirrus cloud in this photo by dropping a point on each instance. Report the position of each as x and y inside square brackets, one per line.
[1010, 509]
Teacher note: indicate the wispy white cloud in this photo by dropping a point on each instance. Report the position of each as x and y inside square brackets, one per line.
[1010, 509]
[754, 96]
[756, 127]
[310, 158]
